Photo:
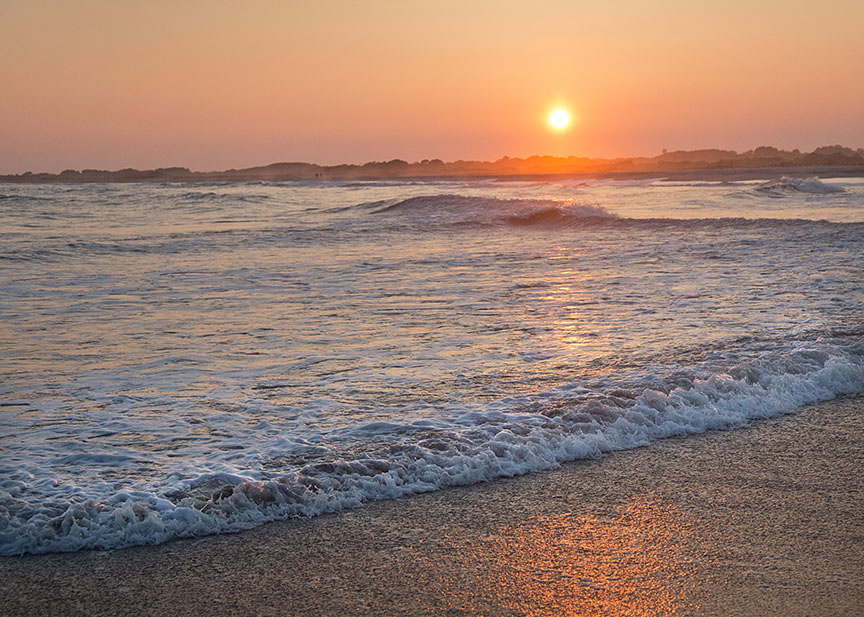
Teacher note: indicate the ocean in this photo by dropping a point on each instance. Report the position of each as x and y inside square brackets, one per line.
[186, 359]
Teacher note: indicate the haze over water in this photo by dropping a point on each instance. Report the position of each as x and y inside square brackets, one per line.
[190, 359]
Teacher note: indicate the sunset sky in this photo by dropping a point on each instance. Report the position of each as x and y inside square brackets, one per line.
[217, 84]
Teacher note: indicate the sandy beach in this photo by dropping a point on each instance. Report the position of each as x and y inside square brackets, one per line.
[760, 521]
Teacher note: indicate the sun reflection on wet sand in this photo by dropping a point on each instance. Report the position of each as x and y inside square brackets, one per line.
[633, 563]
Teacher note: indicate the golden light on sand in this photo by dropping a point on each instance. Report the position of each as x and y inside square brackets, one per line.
[631, 563]
[559, 119]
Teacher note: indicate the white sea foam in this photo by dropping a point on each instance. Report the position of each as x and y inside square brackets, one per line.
[497, 440]
[787, 185]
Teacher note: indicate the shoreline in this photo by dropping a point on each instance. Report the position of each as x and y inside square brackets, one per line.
[761, 520]
[707, 174]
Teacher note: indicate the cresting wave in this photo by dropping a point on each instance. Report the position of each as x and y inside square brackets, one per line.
[788, 185]
[448, 209]
[507, 438]
[474, 209]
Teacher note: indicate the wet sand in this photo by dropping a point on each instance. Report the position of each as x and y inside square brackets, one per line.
[767, 520]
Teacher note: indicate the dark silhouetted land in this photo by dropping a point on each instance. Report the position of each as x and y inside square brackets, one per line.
[761, 162]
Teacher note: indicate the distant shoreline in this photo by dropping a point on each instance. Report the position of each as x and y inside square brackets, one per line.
[710, 165]
[707, 174]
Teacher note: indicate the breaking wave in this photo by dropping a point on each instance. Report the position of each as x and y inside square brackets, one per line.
[470, 209]
[788, 185]
[510, 437]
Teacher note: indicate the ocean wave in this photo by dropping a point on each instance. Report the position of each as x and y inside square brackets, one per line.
[446, 208]
[557, 216]
[506, 438]
[789, 185]
[218, 199]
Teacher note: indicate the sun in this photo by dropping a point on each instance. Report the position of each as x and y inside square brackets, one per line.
[559, 119]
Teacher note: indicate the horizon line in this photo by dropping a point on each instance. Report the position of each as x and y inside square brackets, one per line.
[765, 150]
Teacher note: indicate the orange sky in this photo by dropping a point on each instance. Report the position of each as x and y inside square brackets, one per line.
[217, 84]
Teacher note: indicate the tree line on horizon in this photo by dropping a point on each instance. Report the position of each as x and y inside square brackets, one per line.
[763, 156]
